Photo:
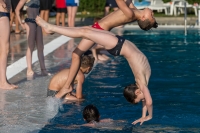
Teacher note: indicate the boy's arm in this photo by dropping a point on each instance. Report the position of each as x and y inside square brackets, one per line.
[124, 8]
[130, 4]
[80, 79]
[147, 106]
[144, 109]
[72, 98]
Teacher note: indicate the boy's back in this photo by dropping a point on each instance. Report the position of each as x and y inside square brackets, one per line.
[58, 80]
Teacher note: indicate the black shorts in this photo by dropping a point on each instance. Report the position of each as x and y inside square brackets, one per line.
[14, 4]
[117, 49]
[46, 4]
[61, 10]
[111, 3]
[51, 93]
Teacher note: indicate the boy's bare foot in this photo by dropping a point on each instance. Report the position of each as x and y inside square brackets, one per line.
[46, 26]
[30, 75]
[63, 91]
[7, 86]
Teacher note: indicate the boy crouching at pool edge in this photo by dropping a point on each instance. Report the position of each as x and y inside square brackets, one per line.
[59, 79]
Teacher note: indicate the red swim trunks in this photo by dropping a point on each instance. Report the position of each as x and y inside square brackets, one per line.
[97, 26]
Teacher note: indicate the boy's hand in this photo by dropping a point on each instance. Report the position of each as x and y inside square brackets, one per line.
[142, 119]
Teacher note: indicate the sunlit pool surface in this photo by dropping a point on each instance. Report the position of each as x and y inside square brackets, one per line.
[174, 86]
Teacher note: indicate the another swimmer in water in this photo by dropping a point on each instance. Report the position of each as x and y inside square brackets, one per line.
[92, 116]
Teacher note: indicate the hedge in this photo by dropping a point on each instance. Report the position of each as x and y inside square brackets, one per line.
[92, 5]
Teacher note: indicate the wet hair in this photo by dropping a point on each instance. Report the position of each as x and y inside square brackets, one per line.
[146, 24]
[87, 61]
[91, 113]
[129, 93]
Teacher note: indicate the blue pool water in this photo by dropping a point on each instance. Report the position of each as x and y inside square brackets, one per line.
[174, 86]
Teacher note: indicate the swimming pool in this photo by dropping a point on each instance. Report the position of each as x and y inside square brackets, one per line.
[174, 86]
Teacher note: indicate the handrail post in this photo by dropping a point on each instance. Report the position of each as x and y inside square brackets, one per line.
[185, 18]
[198, 16]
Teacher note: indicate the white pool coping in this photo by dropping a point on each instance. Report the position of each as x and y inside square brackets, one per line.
[20, 65]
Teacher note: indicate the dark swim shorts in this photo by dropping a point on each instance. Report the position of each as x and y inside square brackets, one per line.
[117, 49]
[111, 3]
[5, 14]
[51, 93]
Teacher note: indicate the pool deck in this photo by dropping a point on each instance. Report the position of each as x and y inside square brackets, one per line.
[24, 110]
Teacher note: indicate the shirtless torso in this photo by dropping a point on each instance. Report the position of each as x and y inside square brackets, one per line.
[110, 21]
[5, 5]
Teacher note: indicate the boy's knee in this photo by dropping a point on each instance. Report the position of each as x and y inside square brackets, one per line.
[85, 30]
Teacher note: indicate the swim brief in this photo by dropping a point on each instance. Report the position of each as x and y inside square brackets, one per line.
[97, 26]
[31, 20]
[51, 93]
[117, 49]
[5, 14]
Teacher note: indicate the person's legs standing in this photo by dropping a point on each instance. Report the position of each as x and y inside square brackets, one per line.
[69, 12]
[31, 36]
[107, 8]
[4, 48]
[72, 6]
[46, 15]
[42, 14]
[73, 15]
[58, 18]
[14, 5]
[12, 17]
[63, 18]
[17, 29]
[40, 48]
